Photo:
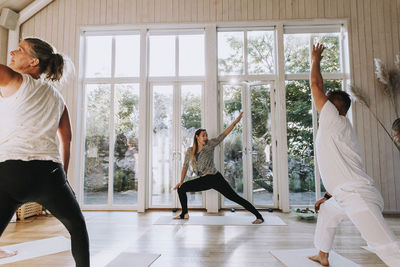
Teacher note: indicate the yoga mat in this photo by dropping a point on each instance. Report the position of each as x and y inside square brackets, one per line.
[127, 259]
[120, 255]
[37, 248]
[221, 220]
[367, 248]
[168, 220]
[299, 258]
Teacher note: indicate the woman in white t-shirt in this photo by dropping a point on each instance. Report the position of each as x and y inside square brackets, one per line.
[32, 112]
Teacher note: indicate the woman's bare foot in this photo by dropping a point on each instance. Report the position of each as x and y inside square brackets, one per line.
[180, 217]
[7, 253]
[321, 258]
[258, 221]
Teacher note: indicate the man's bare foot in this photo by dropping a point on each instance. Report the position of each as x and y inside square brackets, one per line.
[321, 258]
[7, 253]
[182, 217]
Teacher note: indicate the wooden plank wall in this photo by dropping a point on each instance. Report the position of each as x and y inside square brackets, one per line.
[373, 33]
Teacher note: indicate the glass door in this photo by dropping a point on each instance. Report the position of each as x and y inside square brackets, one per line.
[163, 172]
[176, 115]
[262, 149]
[111, 146]
[250, 150]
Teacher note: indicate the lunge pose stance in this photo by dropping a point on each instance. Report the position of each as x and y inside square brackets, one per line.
[344, 176]
[201, 156]
[32, 112]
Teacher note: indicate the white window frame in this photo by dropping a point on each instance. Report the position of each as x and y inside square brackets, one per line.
[176, 81]
[343, 75]
[211, 93]
[112, 81]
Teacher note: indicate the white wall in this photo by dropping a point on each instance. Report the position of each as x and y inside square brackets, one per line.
[373, 33]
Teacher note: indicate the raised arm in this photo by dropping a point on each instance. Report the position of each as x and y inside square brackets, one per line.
[230, 127]
[317, 85]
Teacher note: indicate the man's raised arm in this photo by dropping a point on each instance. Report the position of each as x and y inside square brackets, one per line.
[317, 83]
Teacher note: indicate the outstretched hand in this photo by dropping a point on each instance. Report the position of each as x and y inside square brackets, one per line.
[239, 117]
[316, 54]
[177, 186]
[318, 203]
[70, 187]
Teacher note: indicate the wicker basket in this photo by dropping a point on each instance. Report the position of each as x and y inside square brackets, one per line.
[29, 209]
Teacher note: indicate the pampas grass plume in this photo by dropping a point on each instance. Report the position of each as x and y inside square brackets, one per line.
[358, 95]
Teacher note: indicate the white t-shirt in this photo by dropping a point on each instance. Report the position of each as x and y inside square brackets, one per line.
[29, 121]
[338, 152]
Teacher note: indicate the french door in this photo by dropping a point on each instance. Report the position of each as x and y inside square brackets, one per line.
[176, 113]
[249, 152]
[111, 146]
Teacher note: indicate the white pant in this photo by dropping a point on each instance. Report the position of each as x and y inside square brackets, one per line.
[363, 205]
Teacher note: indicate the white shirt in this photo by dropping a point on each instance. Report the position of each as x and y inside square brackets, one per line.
[338, 151]
[29, 121]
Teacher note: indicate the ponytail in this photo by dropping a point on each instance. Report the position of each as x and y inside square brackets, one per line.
[55, 68]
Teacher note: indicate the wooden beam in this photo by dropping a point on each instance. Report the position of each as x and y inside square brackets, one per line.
[32, 9]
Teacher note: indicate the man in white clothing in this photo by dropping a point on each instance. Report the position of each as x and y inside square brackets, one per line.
[353, 194]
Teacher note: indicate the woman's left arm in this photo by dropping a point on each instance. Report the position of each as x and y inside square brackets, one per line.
[230, 128]
[65, 133]
[215, 141]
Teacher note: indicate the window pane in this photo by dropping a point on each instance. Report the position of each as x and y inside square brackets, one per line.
[162, 55]
[233, 147]
[98, 56]
[260, 52]
[191, 55]
[96, 144]
[230, 53]
[331, 61]
[261, 150]
[297, 53]
[127, 56]
[190, 122]
[162, 146]
[300, 143]
[126, 146]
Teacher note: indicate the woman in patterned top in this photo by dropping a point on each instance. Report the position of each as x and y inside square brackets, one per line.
[201, 156]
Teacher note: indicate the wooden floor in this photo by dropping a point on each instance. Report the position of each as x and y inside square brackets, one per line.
[189, 245]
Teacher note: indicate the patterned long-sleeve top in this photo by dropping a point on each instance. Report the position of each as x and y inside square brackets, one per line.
[203, 162]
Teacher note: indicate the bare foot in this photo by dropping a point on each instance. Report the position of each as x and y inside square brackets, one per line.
[7, 253]
[179, 217]
[258, 221]
[321, 258]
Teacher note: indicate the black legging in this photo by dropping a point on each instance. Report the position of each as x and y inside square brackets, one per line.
[217, 182]
[43, 182]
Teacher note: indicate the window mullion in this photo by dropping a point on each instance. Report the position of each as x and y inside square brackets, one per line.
[245, 53]
[176, 56]
[282, 148]
[111, 129]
